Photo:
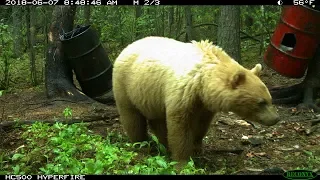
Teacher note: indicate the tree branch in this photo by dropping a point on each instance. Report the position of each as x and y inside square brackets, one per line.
[214, 24]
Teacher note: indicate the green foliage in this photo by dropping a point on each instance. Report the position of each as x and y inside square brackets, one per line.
[119, 26]
[160, 147]
[73, 149]
[264, 20]
[313, 161]
[67, 112]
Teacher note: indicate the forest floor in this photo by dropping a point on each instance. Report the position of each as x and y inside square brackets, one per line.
[231, 145]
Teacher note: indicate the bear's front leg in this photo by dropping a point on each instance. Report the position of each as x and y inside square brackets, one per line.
[180, 138]
[200, 128]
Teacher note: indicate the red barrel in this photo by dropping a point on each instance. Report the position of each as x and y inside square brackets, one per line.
[294, 41]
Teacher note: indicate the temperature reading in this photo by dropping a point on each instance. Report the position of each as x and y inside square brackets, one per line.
[302, 2]
[298, 2]
[311, 2]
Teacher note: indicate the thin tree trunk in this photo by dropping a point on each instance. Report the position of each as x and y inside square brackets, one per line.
[229, 31]
[45, 40]
[87, 14]
[179, 22]
[17, 22]
[162, 19]
[5, 82]
[31, 43]
[138, 15]
[189, 34]
[170, 19]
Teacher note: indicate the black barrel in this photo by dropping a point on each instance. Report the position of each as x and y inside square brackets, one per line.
[89, 60]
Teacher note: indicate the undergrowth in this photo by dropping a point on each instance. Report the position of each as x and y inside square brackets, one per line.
[74, 149]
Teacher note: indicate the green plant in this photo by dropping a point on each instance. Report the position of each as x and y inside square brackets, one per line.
[67, 112]
[313, 161]
[74, 149]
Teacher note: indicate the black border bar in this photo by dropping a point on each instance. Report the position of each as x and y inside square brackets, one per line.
[153, 2]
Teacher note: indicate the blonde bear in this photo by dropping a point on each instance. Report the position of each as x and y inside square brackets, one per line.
[177, 88]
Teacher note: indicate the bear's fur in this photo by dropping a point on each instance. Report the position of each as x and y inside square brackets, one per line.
[177, 88]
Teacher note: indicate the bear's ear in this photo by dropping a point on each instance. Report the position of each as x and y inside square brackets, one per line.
[257, 69]
[238, 79]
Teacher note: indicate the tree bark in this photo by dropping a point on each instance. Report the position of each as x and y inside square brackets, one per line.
[138, 15]
[189, 34]
[47, 13]
[58, 74]
[170, 20]
[163, 22]
[17, 22]
[87, 14]
[178, 20]
[31, 42]
[229, 31]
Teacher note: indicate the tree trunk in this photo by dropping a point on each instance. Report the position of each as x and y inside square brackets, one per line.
[58, 75]
[179, 23]
[214, 29]
[138, 15]
[189, 35]
[17, 22]
[87, 14]
[47, 13]
[229, 31]
[31, 41]
[170, 19]
[4, 83]
[162, 19]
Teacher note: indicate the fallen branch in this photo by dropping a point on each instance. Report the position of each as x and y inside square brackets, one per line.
[311, 120]
[231, 150]
[257, 35]
[6, 125]
[46, 102]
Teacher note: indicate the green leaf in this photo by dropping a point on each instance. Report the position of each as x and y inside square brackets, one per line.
[16, 169]
[17, 156]
[162, 163]
[155, 139]
[309, 153]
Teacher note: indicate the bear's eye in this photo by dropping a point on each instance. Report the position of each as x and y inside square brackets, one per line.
[262, 102]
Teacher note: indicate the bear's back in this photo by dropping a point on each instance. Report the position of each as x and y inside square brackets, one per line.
[177, 56]
[148, 69]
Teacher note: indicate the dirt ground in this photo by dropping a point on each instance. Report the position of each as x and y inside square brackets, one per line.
[232, 145]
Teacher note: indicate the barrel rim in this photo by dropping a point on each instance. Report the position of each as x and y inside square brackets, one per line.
[292, 56]
[305, 6]
[297, 29]
[87, 27]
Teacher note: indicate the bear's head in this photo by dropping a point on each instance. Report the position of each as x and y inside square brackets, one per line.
[228, 86]
[250, 98]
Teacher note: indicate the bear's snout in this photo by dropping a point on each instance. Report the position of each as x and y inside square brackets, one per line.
[271, 121]
[269, 117]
